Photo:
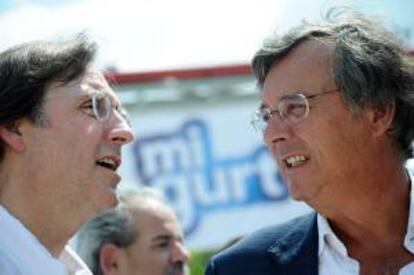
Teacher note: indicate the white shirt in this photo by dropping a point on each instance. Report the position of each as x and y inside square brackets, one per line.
[333, 255]
[21, 253]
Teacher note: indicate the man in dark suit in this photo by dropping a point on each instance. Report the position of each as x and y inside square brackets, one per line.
[337, 115]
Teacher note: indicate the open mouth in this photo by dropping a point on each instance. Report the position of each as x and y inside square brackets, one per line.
[108, 163]
[295, 161]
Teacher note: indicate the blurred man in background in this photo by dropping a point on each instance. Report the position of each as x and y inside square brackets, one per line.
[337, 114]
[139, 237]
[61, 134]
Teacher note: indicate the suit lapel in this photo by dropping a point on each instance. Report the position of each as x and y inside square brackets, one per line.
[296, 252]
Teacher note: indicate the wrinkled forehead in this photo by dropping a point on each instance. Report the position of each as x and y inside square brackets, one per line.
[157, 215]
[308, 67]
[91, 82]
[94, 80]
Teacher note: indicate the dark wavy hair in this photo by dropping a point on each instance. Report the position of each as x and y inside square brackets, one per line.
[27, 70]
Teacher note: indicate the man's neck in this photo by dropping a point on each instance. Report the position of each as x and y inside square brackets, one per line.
[379, 214]
[43, 222]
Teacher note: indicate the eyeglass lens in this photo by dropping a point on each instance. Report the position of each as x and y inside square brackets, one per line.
[294, 108]
[101, 107]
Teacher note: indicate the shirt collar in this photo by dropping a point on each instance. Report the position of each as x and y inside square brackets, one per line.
[73, 262]
[24, 249]
[29, 255]
[328, 238]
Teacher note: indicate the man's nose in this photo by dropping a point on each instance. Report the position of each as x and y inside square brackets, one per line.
[276, 130]
[179, 253]
[120, 130]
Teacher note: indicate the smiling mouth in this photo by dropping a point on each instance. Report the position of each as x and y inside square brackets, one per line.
[108, 163]
[295, 161]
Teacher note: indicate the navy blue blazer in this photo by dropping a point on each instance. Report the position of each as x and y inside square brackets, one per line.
[287, 249]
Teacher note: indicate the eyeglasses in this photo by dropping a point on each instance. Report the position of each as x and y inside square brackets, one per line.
[102, 104]
[102, 108]
[291, 109]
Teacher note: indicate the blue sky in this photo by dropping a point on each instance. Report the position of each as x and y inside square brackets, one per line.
[140, 35]
[5, 4]
[8, 4]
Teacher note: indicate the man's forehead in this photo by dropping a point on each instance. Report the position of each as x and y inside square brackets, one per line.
[306, 68]
[156, 223]
[91, 81]
[95, 79]
[160, 216]
[166, 232]
[94, 82]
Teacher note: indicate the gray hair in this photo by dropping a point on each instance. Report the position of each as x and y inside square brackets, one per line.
[369, 66]
[114, 226]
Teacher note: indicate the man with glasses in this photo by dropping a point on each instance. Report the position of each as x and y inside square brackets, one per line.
[337, 115]
[61, 132]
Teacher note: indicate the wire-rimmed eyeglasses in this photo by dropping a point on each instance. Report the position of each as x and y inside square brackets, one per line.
[102, 104]
[292, 108]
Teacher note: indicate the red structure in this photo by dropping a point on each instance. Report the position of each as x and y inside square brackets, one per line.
[180, 74]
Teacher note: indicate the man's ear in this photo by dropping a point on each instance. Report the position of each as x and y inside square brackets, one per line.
[381, 118]
[11, 135]
[109, 259]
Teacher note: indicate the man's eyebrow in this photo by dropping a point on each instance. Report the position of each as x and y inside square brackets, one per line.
[91, 89]
[99, 89]
[166, 237]
[162, 237]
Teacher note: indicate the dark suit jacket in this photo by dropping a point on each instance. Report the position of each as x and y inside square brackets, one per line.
[287, 249]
